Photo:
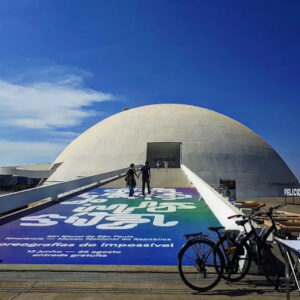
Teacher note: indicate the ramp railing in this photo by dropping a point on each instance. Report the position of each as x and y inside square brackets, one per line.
[55, 191]
[218, 204]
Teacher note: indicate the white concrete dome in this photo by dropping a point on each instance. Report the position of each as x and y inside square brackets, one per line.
[213, 146]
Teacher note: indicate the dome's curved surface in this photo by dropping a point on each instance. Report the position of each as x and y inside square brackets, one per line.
[213, 146]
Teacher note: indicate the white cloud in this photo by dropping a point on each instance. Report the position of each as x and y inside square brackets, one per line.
[52, 99]
[64, 134]
[47, 105]
[20, 153]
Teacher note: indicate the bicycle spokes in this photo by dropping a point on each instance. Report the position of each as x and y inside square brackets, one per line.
[197, 265]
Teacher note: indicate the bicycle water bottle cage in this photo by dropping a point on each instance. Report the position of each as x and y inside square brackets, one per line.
[194, 235]
[230, 249]
[241, 222]
[238, 250]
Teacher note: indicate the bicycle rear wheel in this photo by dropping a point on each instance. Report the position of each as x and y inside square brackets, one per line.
[200, 264]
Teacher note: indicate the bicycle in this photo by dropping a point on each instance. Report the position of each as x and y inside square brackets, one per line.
[254, 247]
[273, 229]
[202, 262]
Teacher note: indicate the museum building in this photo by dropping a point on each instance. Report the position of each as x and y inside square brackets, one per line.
[214, 146]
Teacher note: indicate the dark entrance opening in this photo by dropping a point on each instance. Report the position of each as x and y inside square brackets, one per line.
[228, 188]
[164, 151]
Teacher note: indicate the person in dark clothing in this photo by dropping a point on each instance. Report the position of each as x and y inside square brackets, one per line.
[146, 175]
[130, 180]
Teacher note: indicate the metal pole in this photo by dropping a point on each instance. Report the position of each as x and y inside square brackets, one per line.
[293, 198]
[293, 271]
[287, 275]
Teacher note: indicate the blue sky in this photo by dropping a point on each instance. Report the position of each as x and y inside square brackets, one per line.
[66, 65]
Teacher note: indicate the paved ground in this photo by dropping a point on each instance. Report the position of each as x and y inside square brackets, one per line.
[113, 285]
[161, 178]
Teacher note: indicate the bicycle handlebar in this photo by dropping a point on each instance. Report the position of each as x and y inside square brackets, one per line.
[276, 207]
[253, 210]
[259, 207]
[253, 216]
[234, 216]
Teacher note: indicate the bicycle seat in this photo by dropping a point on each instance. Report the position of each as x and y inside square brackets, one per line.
[216, 229]
[241, 222]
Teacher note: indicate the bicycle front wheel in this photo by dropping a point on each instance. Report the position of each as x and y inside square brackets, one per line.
[200, 264]
[269, 265]
[237, 259]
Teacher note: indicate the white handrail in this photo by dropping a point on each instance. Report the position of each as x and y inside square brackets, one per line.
[218, 204]
[54, 191]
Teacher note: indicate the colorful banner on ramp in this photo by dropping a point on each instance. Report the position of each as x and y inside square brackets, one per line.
[104, 227]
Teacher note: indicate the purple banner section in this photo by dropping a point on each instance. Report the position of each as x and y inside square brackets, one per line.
[104, 227]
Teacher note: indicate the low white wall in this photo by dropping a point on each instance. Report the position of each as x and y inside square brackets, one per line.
[19, 171]
[7, 170]
[219, 205]
[32, 171]
[56, 190]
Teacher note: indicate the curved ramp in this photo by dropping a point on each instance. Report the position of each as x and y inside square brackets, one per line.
[102, 229]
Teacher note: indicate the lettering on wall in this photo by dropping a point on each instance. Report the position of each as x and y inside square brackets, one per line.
[291, 192]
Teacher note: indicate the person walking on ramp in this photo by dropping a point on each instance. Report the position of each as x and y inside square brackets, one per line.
[166, 165]
[130, 180]
[146, 175]
[158, 165]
